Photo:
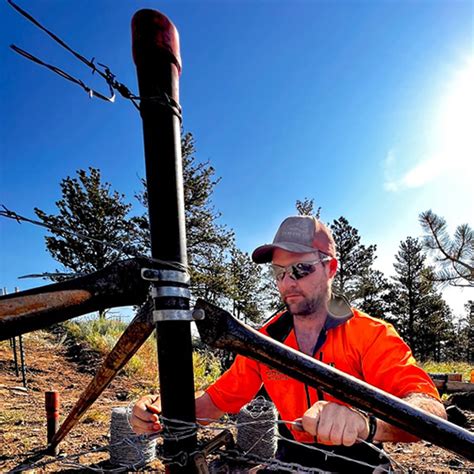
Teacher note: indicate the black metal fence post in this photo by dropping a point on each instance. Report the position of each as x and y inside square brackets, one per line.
[22, 359]
[22, 355]
[157, 58]
[15, 357]
[13, 342]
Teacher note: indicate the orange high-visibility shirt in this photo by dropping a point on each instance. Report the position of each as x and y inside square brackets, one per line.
[365, 347]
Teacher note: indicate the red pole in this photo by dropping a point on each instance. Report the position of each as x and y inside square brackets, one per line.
[52, 419]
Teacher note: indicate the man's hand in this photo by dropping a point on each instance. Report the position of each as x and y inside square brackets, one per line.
[145, 414]
[144, 418]
[336, 424]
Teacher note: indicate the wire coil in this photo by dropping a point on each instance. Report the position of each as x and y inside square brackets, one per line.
[139, 452]
[257, 433]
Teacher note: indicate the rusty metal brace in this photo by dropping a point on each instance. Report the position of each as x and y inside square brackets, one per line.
[224, 438]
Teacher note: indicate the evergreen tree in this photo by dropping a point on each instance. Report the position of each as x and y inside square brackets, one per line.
[465, 346]
[454, 256]
[245, 277]
[422, 316]
[409, 283]
[306, 208]
[374, 293]
[355, 259]
[89, 207]
[271, 300]
[435, 332]
[208, 243]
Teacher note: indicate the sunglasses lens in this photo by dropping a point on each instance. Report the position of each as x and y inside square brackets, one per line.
[300, 270]
[278, 272]
[296, 271]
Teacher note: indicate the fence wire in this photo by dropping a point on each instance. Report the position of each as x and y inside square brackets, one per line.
[182, 430]
[186, 430]
[125, 250]
[97, 68]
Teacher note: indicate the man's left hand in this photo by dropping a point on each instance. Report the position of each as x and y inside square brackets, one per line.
[335, 424]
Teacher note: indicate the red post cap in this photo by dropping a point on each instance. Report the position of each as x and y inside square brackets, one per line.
[154, 34]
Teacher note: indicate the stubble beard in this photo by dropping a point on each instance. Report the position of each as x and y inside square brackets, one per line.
[310, 305]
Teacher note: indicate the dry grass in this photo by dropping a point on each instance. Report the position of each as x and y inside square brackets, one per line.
[95, 416]
[101, 335]
[450, 367]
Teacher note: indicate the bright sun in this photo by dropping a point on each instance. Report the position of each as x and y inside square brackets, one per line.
[455, 128]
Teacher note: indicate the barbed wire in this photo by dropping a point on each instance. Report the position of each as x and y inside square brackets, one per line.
[162, 98]
[188, 429]
[65, 75]
[327, 453]
[177, 430]
[126, 250]
[182, 430]
[67, 460]
[53, 275]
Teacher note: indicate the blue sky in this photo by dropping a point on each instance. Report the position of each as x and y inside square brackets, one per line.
[365, 106]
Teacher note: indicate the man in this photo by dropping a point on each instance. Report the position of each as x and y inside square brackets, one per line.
[303, 258]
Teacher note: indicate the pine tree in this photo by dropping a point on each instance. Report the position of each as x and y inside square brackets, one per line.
[245, 277]
[355, 259]
[373, 293]
[465, 346]
[271, 300]
[422, 316]
[306, 208]
[409, 281]
[89, 207]
[454, 256]
[208, 242]
[435, 332]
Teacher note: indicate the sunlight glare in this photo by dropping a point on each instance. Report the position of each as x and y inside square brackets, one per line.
[455, 128]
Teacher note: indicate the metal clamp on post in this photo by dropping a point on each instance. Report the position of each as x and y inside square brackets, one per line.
[172, 276]
[171, 290]
[178, 315]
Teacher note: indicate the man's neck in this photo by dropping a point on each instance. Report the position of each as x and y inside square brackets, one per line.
[307, 330]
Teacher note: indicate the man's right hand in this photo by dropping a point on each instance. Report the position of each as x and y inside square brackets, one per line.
[145, 415]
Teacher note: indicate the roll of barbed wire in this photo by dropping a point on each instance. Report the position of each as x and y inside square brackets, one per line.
[257, 428]
[126, 448]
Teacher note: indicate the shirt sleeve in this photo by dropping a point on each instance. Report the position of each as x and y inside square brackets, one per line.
[388, 363]
[237, 386]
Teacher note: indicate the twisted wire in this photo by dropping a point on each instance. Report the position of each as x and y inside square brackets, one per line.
[121, 249]
[65, 75]
[106, 74]
[182, 430]
[231, 424]
[101, 69]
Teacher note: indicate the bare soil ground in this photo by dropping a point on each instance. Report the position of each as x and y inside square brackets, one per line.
[52, 366]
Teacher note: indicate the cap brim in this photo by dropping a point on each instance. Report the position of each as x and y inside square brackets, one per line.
[264, 253]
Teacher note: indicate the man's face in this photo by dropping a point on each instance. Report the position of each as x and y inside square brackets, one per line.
[308, 294]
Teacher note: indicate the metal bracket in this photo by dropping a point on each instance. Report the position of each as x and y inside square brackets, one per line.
[160, 315]
[173, 291]
[151, 274]
[224, 438]
[200, 463]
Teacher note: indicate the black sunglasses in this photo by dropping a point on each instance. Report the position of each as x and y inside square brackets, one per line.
[298, 270]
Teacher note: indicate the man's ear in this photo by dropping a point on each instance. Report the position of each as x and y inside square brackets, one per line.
[332, 267]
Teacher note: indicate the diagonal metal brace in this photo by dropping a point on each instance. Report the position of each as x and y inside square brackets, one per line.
[220, 329]
[119, 284]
